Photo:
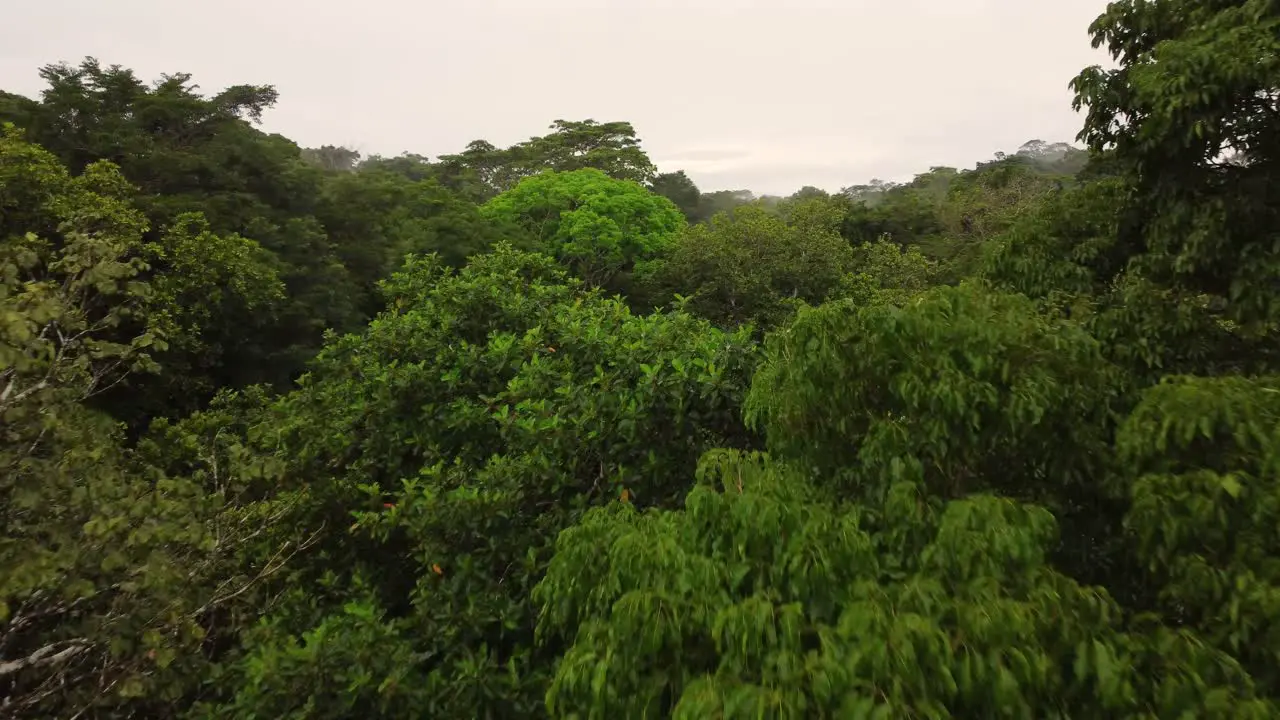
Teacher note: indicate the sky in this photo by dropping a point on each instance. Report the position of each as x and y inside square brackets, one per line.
[767, 95]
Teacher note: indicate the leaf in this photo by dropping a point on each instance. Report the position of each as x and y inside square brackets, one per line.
[1231, 485]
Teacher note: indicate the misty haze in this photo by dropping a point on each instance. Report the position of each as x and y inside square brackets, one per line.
[763, 95]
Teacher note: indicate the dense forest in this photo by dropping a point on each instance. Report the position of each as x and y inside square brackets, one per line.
[541, 431]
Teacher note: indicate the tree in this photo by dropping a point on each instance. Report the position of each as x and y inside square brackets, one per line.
[1068, 256]
[611, 148]
[407, 165]
[481, 171]
[809, 192]
[1204, 504]
[713, 203]
[116, 575]
[1195, 82]
[208, 293]
[887, 273]
[870, 192]
[484, 170]
[90, 113]
[331, 158]
[596, 225]
[211, 295]
[767, 597]
[681, 191]
[749, 266]
[184, 153]
[475, 418]
[902, 217]
[374, 218]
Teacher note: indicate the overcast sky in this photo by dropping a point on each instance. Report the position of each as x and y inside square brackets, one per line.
[769, 95]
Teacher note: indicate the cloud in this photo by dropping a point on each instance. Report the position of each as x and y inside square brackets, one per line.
[680, 157]
[728, 90]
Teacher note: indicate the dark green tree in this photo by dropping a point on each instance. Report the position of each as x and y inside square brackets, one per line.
[447, 445]
[680, 190]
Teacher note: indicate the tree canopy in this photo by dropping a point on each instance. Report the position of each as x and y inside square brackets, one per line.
[597, 225]
[541, 431]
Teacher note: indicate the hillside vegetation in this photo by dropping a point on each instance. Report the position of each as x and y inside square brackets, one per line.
[541, 431]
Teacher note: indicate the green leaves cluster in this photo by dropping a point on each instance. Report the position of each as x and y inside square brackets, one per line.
[116, 573]
[766, 597]
[485, 410]
[749, 266]
[596, 225]
[960, 388]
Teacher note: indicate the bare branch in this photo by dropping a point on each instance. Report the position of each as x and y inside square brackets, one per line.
[48, 655]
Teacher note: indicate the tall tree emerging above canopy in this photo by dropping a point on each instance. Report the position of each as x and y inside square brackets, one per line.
[597, 225]
[185, 152]
[611, 147]
[91, 112]
[334, 158]
[483, 170]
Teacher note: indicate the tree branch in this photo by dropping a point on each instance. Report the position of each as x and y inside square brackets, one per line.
[47, 655]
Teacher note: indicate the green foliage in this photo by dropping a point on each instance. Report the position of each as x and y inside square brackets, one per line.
[329, 157]
[982, 203]
[1189, 114]
[960, 389]
[483, 170]
[480, 414]
[210, 296]
[749, 266]
[1069, 256]
[611, 148]
[1022, 420]
[329, 234]
[185, 153]
[374, 218]
[711, 204]
[765, 598]
[595, 225]
[115, 574]
[1204, 454]
[887, 273]
[65, 292]
[903, 217]
[353, 664]
[681, 191]
[1065, 250]
[952, 215]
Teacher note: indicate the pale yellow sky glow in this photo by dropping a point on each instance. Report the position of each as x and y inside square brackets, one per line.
[768, 96]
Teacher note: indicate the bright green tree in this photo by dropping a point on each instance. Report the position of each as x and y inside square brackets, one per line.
[596, 225]
[767, 597]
